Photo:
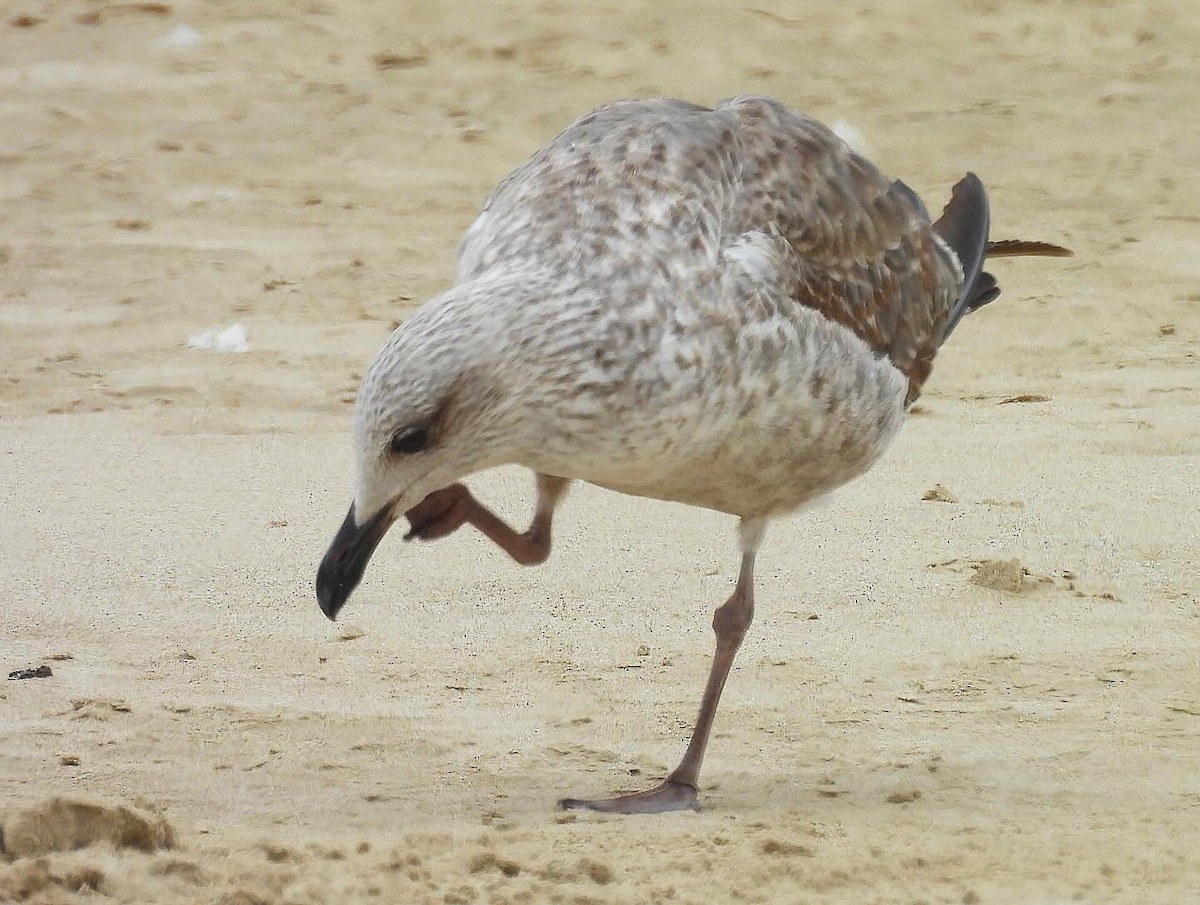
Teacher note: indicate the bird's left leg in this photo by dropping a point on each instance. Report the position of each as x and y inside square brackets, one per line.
[446, 510]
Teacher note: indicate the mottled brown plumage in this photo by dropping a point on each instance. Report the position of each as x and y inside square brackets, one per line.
[859, 250]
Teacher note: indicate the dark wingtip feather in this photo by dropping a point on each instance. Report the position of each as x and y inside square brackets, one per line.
[986, 290]
[964, 227]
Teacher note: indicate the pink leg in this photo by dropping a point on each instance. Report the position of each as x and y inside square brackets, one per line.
[445, 510]
[678, 790]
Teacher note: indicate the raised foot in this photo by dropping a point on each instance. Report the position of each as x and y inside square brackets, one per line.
[442, 512]
[670, 796]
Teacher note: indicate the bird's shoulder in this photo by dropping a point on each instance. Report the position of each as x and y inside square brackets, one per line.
[640, 182]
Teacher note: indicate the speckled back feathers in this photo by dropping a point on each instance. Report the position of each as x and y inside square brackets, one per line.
[652, 193]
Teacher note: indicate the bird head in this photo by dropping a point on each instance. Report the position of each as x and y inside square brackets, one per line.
[431, 409]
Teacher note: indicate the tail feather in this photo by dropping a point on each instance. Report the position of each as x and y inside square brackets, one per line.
[1009, 248]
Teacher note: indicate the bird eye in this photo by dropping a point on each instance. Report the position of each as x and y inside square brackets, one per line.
[410, 440]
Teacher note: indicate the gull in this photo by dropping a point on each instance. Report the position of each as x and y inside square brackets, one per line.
[725, 307]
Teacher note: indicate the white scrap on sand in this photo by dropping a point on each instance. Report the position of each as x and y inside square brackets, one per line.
[229, 339]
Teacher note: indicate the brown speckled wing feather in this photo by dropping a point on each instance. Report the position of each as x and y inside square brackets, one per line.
[864, 253]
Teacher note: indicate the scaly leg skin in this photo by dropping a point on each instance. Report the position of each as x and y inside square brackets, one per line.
[445, 511]
[678, 791]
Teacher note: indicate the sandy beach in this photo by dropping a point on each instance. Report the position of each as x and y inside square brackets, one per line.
[974, 674]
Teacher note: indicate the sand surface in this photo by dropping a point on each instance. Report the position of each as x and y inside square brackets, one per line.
[914, 716]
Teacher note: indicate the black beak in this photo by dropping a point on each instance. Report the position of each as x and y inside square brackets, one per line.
[347, 558]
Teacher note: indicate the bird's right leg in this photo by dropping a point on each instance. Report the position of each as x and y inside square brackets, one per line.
[678, 791]
[445, 510]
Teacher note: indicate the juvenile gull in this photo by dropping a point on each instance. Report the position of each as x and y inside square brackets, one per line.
[724, 307]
